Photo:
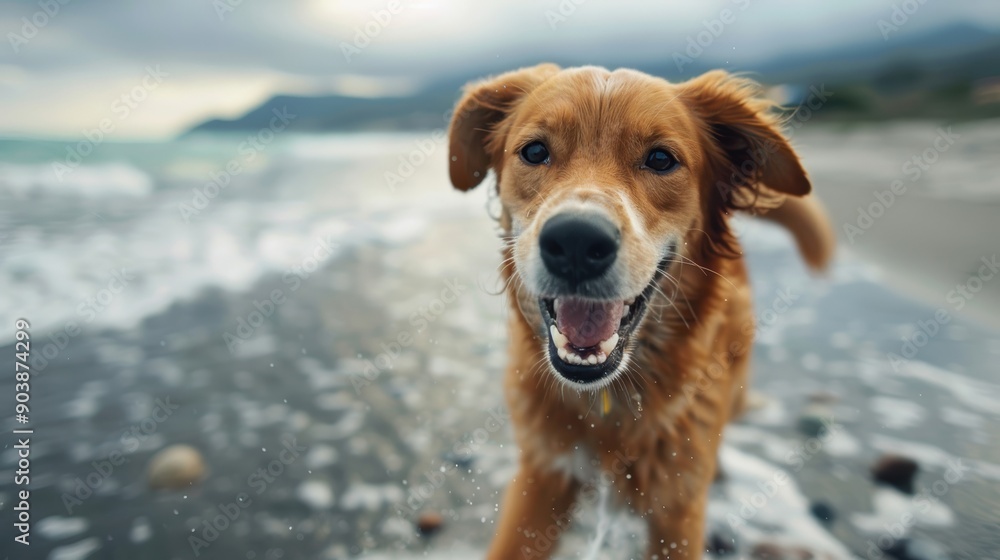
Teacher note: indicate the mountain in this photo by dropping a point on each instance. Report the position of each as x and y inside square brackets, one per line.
[944, 50]
[338, 112]
[941, 63]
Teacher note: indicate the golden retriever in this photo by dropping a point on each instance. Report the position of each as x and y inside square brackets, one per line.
[631, 321]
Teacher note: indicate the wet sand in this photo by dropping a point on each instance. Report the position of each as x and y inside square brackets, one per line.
[380, 373]
[931, 237]
[418, 435]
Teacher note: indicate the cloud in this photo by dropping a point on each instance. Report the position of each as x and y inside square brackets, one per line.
[65, 77]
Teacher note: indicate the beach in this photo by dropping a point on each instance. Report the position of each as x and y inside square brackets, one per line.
[926, 216]
[314, 317]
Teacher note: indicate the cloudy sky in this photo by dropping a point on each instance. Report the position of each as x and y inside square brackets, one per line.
[67, 71]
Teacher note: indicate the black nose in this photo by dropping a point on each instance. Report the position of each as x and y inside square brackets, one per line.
[578, 247]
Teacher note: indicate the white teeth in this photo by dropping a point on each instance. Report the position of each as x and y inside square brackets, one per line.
[573, 358]
[630, 301]
[625, 312]
[561, 343]
[608, 345]
[558, 338]
[576, 359]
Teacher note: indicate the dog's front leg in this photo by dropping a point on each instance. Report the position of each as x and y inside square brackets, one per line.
[534, 512]
[677, 533]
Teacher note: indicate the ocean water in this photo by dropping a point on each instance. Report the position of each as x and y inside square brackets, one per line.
[135, 265]
[149, 210]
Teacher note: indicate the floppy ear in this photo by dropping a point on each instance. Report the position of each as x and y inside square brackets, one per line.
[483, 105]
[750, 148]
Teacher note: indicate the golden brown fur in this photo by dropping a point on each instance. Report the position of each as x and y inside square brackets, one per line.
[687, 368]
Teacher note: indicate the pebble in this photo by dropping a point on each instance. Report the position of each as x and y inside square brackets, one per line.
[917, 549]
[721, 541]
[462, 461]
[429, 523]
[824, 512]
[175, 468]
[823, 397]
[896, 471]
[720, 475]
[814, 419]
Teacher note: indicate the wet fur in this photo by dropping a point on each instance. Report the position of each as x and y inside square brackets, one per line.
[687, 367]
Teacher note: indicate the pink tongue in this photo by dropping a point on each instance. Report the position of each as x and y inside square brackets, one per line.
[587, 323]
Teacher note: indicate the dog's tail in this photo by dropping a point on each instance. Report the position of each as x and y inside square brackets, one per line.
[806, 219]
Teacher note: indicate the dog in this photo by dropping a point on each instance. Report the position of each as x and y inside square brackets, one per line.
[631, 319]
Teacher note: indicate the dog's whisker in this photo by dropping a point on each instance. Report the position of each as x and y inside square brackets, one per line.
[678, 291]
[669, 301]
[677, 285]
[705, 269]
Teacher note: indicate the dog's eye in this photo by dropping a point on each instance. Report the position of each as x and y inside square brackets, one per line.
[660, 160]
[535, 153]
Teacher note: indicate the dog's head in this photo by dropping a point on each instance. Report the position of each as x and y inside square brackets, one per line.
[606, 179]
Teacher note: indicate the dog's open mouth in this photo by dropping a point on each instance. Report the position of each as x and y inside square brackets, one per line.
[587, 337]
